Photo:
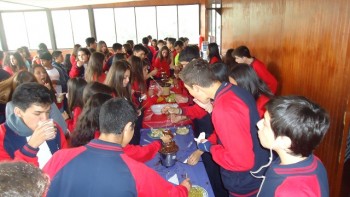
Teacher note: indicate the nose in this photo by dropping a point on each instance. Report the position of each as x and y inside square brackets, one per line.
[44, 116]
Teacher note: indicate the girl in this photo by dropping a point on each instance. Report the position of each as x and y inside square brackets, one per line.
[78, 68]
[245, 77]
[75, 101]
[102, 48]
[94, 70]
[213, 53]
[17, 64]
[118, 78]
[43, 78]
[94, 88]
[162, 62]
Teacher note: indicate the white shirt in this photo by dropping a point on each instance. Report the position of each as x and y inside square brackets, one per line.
[54, 76]
[44, 154]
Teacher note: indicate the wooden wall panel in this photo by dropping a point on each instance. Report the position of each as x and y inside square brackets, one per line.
[305, 44]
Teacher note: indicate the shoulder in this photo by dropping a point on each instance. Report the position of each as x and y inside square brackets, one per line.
[299, 186]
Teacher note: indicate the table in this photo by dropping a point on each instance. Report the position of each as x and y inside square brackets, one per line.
[187, 145]
[151, 120]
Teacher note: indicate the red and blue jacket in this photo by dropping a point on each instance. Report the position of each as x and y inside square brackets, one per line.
[101, 168]
[237, 148]
[305, 178]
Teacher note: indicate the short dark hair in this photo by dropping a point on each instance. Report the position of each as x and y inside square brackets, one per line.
[241, 51]
[189, 53]
[145, 40]
[90, 40]
[117, 46]
[220, 71]
[30, 93]
[171, 40]
[160, 41]
[115, 114]
[85, 50]
[179, 43]
[131, 42]
[140, 47]
[56, 54]
[42, 47]
[198, 72]
[298, 118]
[22, 179]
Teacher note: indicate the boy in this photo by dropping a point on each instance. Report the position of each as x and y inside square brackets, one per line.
[27, 129]
[242, 55]
[234, 145]
[101, 168]
[293, 126]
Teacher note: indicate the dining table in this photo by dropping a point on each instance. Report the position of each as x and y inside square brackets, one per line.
[180, 170]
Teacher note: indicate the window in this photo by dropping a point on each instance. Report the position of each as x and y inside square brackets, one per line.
[215, 25]
[167, 21]
[15, 30]
[0, 45]
[37, 29]
[125, 24]
[80, 26]
[104, 23]
[145, 22]
[63, 29]
[189, 22]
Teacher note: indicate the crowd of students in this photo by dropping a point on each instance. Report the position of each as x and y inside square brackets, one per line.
[79, 118]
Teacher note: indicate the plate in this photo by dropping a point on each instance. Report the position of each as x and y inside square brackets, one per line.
[155, 133]
[197, 191]
[157, 109]
[182, 130]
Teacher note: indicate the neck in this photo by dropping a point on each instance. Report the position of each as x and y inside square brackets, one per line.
[109, 137]
[211, 91]
[287, 158]
[250, 60]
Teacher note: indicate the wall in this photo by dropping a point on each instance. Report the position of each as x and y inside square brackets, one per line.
[306, 45]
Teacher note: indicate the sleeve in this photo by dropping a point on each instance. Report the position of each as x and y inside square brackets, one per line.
[194, 111]
[265, 75]
[142, 153]
[75, 71]
[299, 186]
[62, 137]
[157, 64]
[149, 183]
[26, 153]
[232, 125]
[213, 138]
[73, 60]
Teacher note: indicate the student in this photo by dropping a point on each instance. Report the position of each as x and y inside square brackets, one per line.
[94, 88]
[127, 50]
[117, 49]
[102, 48]
[162, 63]
[54, 74]
[139, 51]
[78, 68]
[242, 55]
[94, 69]
[293, 127]
[22, 179]
[234, 144]
[104, 167]
[245, 77]
[16, 63]
[74, 55]
[58, 64]
[28, 134]
[228, 59]
[179, 46]
[150, 49]
[118, 78]
[213, 53]
[91, 44]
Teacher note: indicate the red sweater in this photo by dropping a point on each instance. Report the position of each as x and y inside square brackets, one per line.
[162, 66]
[265, 75]
[71, 123]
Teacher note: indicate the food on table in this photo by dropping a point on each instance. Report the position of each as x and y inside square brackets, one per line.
[182, 130]
[160, 99]
[170, 147]
[170, 98]
[197, 191]
[156, 133]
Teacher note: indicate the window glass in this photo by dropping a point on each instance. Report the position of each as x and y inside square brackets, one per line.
[104, 23]
[37, 29]
[80, 26]
[145, 22]
[125, 24]
[167, 21]
[63, 29]
[189, 22]
[0, 45]
[15, 30]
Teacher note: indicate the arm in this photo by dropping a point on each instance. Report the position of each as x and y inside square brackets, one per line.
[265, 75]
[71, 123]
[142, 153]
[75, 70]
[149, 183]
[232, 125]
[194, 111]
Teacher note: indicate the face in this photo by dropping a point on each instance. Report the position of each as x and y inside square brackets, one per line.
[103, 48]
[239, 60]
[13, 60]
[265, 133]
[40, 75]
[178, 49]
[83, 57]
[34, 114]
[59, 59]
[126, 78]
[169, 45]
[165, 53]
[160, 45]
[140, 54]
[232, 80]
[145, 72]
[183, 63]
[154, 43]
[197, 93]
[94, 46]
[45, 63]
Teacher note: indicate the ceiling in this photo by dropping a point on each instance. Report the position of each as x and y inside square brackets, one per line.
[12, 5]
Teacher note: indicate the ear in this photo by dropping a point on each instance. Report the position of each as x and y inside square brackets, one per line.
[18, 112]
[283, 142]
[128, 133]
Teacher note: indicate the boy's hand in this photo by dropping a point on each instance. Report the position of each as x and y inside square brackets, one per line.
[45, 131]
[187, 183]
[194, 157]
[204, 146]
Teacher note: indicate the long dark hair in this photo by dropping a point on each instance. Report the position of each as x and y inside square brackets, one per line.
[20, 62]
[214, 51]
[115, 78]
[94, 67]
[94, 88]
[246, 78]
[137, 72]
[75, 93]
[88, 122]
